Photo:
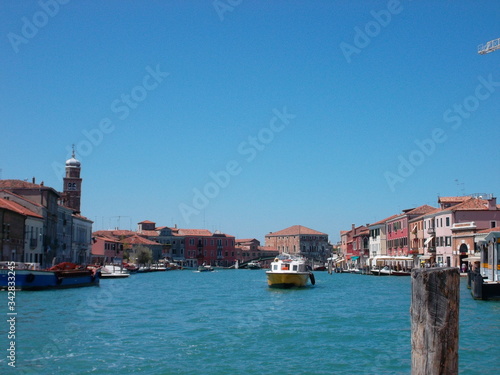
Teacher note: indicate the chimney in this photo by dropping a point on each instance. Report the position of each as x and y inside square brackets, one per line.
[33, 179]
[353, 226]
[492, 203]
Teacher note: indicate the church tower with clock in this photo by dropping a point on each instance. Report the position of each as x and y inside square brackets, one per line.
[72, 184]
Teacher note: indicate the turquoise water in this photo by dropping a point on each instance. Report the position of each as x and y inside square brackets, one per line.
[230, 322]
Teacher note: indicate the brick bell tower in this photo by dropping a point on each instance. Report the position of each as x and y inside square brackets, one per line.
[72, 184]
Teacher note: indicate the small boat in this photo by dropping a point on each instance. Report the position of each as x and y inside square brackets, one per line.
[160, 267]
[388, 271]
[288, 271]
[320, 268]
[64, 275]
[381, 271]
[401, 273]
[205, 268]
[254, 265]
[131, 268]
[112, 271]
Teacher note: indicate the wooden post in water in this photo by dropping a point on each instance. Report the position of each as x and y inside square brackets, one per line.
[434, 321]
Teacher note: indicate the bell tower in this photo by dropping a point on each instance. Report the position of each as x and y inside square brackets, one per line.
[72, 184]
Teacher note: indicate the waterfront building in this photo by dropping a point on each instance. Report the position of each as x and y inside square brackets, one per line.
[377, 242]
[300, 241]
[45, 201]
[349, 247]
[81, 240]
[360, 246]
[65, 235]
[106, 250]
[173, 244]
[398, 237]
[249, 249]
[204, 247]
[417, 240]
[134, 244]
[20, 231]
[481, 209]
[488, 246]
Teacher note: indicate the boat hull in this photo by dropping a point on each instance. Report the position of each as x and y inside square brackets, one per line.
[287, 280]
[40, 280]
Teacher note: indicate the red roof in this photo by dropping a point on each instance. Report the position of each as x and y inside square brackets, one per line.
[149, 233]
[381, 221]
[147, 222]
[107, 239]
[16, 207]
[472, 204]
[19, 184]
[194, 232]
[295, 230]
[489, 230]
[138, 240]
[245, 240]
[452, 199]
[114, 233]
[422, 210]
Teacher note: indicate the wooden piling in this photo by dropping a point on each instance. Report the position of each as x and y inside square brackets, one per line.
[434, 321]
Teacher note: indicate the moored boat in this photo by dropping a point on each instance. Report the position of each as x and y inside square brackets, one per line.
[288, 271]
[112, 271]
[205, 268]
[254, 265]
[60, 276]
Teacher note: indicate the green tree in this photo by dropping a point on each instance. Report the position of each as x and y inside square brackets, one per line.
[144, 255]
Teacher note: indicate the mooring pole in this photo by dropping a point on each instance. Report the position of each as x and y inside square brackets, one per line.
[434, 321]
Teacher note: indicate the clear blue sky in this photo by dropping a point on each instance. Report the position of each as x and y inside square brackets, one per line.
[159, 96]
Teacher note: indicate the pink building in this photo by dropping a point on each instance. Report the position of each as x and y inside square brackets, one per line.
[398, 238]
[106, 250]
[480, 212]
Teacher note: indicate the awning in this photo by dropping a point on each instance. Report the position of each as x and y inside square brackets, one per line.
[472, 259]
[425, 257]
[354, 258]
[428, 240]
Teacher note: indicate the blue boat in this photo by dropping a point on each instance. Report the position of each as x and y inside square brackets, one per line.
[65, 275]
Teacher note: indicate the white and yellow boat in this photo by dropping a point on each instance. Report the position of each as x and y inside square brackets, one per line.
[288, 271]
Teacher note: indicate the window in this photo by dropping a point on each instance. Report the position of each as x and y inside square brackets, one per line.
[493, 224]
[447, 221]
[448, 241]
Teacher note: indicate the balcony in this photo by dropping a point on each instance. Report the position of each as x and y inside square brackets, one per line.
[431, 250]
[431, 230]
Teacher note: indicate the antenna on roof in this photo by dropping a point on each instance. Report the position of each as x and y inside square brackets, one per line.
[461, 186]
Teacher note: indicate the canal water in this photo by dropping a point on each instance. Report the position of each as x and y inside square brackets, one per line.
[230, 322]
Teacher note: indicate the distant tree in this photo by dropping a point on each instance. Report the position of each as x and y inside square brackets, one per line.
[144, 255]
